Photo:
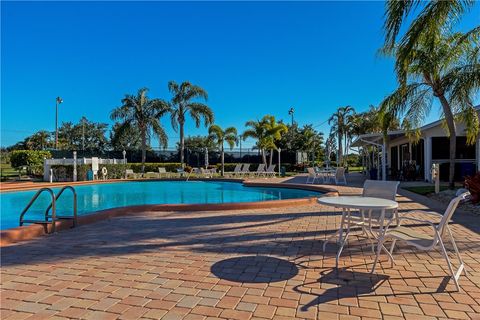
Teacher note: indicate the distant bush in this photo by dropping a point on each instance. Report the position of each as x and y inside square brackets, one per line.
[153, 166]
[32, 159]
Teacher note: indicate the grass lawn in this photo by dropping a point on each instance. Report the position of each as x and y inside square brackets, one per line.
[354, 169]
[424, 190]
[6, 171]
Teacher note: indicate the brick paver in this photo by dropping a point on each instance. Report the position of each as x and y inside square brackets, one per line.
[250, 264]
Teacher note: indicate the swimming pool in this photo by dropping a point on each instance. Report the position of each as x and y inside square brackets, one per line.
[94, 197]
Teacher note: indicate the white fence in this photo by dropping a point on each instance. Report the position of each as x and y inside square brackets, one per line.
[47, 163]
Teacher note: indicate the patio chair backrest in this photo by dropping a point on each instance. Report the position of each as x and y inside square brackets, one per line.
[129, 171]
[271, 168]
[246, 167]
[261, 168]
[162, 170]
[311, 171]
[380, 189]
[452, 206]
[238, 167]
[340, 173]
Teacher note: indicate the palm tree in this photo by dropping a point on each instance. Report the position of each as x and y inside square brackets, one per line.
[445, 67]
[267, 132]
[274, 131]
[144, 113]
[338, 121]
[182, 103]
[220, 136]
[257, 131]
[431, 18]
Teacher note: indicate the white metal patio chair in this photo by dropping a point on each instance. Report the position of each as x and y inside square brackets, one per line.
[313, 175]
[129, 172]
[368, 219]
[339, 176]
[425, 241]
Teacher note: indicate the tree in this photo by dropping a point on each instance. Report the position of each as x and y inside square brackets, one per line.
[84, 135]
[338, 121]
[274, 131]
[220, 136]
[143, 113]
[431, 18]
[267, 132]
[127, 138]
[444, 67]
[183, 102]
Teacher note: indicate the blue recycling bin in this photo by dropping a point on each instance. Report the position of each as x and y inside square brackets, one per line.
[89, 175]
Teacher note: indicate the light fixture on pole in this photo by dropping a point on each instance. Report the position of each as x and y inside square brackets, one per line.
[124, 154]
[279, 168]
[291, 112]
[57, 102]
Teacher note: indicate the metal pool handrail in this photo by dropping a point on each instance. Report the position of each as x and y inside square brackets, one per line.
[52, 205]
[74, 205]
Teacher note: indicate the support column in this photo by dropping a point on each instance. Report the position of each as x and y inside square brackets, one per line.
[427, 153]
[384, 160]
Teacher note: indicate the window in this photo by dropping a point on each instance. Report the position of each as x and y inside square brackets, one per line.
[441, 147]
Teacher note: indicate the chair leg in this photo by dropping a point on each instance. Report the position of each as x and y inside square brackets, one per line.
[379, 250]
[393, 246]
[460, 260]
[445, 255]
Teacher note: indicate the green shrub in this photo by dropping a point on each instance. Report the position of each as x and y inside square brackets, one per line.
[65, 172]
[32, 159]
[114, 171]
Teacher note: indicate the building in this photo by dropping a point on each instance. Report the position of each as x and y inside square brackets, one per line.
[398, 155]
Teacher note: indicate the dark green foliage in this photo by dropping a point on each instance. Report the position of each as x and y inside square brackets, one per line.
[32, 159]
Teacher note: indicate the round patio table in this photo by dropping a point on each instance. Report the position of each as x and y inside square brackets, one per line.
[347, 203]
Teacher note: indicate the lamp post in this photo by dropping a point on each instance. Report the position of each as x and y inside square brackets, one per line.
[279, 168]
[57, 102]
[124, 154]
[291, 112]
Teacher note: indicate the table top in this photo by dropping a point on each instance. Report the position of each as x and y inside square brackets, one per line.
[358, 202]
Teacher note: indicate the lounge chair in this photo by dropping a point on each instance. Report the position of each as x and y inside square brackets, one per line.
[129, 172]
[260, 170]
[150, 175]
[245, 170]
[313, 175]
[238, 168]
[427, 242]
[162, 172]
[207, 173]
[270, 172]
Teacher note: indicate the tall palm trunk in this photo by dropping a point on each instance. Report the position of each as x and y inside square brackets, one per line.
[182, 143]
[340, 151]
[271, 157]
[264, 157]
[144, 148]
[447, 111]
[223, 160]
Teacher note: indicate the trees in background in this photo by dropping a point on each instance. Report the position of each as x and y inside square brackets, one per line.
[219, 137]
[339, 122]
[141, 112]
[185, 100]
[127, 138]
[85, 135]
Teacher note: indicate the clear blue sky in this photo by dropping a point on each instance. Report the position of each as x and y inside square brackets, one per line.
[252, 58]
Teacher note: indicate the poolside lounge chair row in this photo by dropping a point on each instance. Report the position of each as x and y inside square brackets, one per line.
[243, 170]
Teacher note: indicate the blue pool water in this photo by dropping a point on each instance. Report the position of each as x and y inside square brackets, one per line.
[96, 197]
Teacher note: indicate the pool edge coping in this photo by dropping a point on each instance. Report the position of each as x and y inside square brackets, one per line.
[24, 233]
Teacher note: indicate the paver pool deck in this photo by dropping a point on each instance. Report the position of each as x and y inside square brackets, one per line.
[242, 264]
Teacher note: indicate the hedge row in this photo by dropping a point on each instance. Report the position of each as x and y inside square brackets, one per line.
[31, 159]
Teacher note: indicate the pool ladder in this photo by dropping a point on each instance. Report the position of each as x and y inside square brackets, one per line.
[53, 218]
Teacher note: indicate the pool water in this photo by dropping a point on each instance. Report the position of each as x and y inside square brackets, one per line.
[96, 197]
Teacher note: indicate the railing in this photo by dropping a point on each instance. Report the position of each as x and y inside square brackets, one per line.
[51, 219]
[74, 217]
[52, 205]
